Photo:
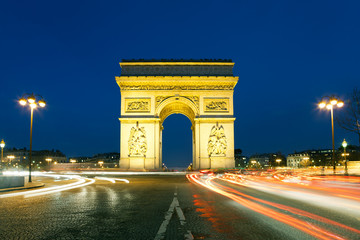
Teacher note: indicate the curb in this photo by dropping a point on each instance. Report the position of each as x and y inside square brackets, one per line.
[21, 188]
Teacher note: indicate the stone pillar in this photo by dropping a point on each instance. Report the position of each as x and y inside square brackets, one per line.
[139, 147]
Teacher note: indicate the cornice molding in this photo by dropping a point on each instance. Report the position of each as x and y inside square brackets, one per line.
[176, 63]
[176, 82]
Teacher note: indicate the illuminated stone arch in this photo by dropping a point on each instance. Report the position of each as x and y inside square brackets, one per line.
[177, 105]
[152, 90]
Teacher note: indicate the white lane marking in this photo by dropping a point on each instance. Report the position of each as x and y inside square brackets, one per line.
[161, 232]
[174, 205]
[179, 212]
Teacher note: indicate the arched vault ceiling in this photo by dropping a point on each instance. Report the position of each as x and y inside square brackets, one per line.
[179, 108]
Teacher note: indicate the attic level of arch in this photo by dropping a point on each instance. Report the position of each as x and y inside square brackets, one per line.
[176, 68]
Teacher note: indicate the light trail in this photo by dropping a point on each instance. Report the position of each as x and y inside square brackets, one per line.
[106, 179]
[81, 182]
[317, 231]
[321, 195]
[122, 180]
[113, 180]
[346, 187]
[291, 209]
[131, 173]
[63, 188]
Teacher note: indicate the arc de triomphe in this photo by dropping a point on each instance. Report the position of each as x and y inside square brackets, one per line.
[153, 90]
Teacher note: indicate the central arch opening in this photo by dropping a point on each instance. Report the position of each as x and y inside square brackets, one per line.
[177, 117]
[177, 142]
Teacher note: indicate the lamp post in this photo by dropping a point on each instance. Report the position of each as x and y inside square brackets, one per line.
[330, 103]
[49, 162]
[32, 101]
[278, 161]
[344, 144]
[10, 159]
[2, 145]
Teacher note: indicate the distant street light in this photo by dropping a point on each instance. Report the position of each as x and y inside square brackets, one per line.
[344, 144]
[48, 160]
[2, 145]
[330, 103]
[278, 161]
[11, 158]
[101, 163]
[30, 99]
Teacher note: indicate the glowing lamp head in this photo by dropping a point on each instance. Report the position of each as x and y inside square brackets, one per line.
[333, 101]
[22, 101]
[329, 106]
[42, 103]
[33, 105]
[344, 143]
[322, 105]
[2, 143]
[31, 99]
[340, 104]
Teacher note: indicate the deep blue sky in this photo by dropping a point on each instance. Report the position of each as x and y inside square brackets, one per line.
[288, 54]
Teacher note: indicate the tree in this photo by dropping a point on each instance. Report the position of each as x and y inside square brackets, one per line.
[350, 118]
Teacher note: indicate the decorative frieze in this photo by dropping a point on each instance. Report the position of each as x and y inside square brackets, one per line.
[137, 105]
[156, 87]
[217, 143]
[216, 104]
[160, 99]
[194, 99]
[137, 142]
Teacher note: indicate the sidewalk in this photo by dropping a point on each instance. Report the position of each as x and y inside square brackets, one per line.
[27, 186]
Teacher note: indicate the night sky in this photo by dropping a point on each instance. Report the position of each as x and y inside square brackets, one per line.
[287, 54]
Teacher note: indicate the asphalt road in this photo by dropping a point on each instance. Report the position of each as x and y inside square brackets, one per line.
[149, 207]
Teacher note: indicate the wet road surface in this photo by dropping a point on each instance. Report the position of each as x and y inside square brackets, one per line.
[150, 207]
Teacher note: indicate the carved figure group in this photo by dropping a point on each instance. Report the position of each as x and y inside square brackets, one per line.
[217, 141]
[137, 142]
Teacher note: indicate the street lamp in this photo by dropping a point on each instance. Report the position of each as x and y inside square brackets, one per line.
[330, 103]
[10, 159]
[32, 101]
[344, 144]
[49, 162]
[2, 145]
[278, 161]
[101, 163]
